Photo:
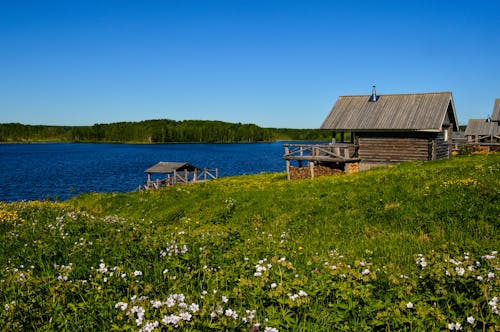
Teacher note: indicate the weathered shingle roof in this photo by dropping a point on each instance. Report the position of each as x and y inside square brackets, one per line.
[170, 167]
[482, 127]
[401, 112]
[496, 111]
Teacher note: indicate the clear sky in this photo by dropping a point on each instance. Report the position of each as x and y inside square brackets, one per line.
[273, 63]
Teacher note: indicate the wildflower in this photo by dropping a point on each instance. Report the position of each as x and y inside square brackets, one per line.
[186, 316]
[454, 326]
[137, 273]
[6, 307]
[409, 305]
[224, 299]
[150, 326]
[156, 304]
[365, 272]
[231, 313]
[491, 275]
[102, 268]
[460, 271]
[270, 329]
[494, 305]
[121, 305]
[171, 319]
[471, 320]
[194, 307]
[273, 285]
[302, 293]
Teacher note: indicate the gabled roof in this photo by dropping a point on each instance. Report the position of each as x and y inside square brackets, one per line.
[496, 111]
[401, 112]
[170, 167]
[482, 127]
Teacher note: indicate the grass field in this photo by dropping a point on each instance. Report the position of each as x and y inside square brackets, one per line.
[408, 247]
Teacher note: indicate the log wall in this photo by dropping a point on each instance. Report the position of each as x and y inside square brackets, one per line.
[443, 148]
[390, 149]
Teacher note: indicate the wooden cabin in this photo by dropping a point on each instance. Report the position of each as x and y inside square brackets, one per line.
[164, 174]
[485, 132]
[482, 131]
[395, 127]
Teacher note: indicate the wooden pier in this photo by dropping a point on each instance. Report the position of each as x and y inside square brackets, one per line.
[165, 174]
[334, 156]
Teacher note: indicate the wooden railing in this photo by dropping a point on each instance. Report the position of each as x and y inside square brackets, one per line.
[183, 177]
[320, 152]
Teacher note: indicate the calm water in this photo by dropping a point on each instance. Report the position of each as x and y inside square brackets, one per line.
[61, 170]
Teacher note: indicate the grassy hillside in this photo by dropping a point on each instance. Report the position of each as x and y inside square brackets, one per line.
[409, 247]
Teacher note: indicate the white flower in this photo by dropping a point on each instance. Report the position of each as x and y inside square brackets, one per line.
[460, 271]
[409, 305]
[491, 275]
[302, 293]
[231, 313]
[471, 320]
[365, 272]
[137, 273]
[6, 307]
[454, 326]
[224, 299]
[194, 307]
[102, 268]
[270, 329]
[273, 285]
[185, 316]
[171, 319]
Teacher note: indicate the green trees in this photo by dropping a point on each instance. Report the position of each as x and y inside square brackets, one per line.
[158, 131]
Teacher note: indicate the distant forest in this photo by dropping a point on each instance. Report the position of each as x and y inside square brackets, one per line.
[157, 131]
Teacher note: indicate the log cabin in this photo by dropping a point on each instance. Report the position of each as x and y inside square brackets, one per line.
[394, 128]
[485, 131]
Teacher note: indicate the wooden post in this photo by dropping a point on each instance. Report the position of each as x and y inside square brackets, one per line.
[186, 176]
[195, 177]
[175, 177]
[149, 179]
[288, 169]
[216, 173]
[311, 169]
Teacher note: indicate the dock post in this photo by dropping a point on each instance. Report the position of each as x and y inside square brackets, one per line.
[288, 169]
[311, 169]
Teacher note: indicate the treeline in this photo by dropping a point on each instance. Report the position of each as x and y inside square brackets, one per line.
[157, 131]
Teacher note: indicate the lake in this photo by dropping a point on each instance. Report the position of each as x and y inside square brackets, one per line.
[58, 171]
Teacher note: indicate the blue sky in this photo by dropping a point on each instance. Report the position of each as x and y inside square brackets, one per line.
[272, 63]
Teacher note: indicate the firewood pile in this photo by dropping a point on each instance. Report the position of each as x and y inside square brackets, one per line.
[353, 167]
[305, 172]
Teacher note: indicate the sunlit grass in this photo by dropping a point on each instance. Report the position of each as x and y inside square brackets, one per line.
[407, 247]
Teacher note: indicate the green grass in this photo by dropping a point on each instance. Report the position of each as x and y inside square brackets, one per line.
[350, 243]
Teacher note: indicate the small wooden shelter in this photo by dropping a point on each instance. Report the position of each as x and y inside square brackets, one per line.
[165, 174]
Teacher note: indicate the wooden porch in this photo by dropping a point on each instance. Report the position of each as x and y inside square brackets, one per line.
[332, 155]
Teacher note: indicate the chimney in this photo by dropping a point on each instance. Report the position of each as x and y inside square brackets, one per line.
[374, 96]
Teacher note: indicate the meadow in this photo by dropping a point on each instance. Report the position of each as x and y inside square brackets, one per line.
[411, 247]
